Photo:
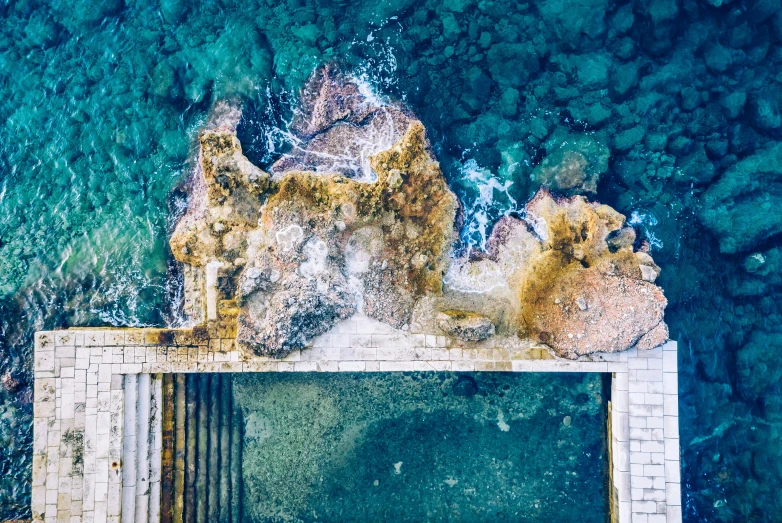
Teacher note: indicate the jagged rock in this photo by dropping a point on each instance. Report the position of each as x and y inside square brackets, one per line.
[382, 243]
[290, 255]
[308, 249]
[328, 99]
[226, 194]
[570, 287]
[575, 263]
[466, 326]
[285, 320]
[339, 127]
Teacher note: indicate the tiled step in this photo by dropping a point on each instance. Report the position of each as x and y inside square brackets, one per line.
[141, 450]
[189, 469]
[130, 446]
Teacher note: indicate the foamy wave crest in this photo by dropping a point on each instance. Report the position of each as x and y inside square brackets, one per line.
[645, 221]
[491, 199]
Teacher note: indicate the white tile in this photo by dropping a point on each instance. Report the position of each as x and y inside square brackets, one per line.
[673, 514]
[670, 361]
[649, 375]
[673, 494]
[671, 405]
[653, 495]
[672, 472]
[649, 507]
[671, 449]
[652, 446]
[641, 458]
[620, 381]
[352, 366]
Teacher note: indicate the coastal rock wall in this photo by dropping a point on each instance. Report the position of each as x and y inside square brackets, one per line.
[358, 218]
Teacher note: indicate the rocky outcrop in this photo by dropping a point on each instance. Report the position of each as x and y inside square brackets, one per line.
[226, 194]
[339, 126]
[292, 253]
[568, 270]
[304, 249]
[333, 245]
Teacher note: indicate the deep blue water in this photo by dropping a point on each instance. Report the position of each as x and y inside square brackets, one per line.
[100, 102]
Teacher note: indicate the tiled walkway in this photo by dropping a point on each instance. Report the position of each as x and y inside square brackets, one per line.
[96, 449]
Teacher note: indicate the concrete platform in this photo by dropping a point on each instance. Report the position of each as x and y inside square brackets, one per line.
[98, 396]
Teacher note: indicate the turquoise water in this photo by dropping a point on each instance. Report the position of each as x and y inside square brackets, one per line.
[423, 447]
[100, 102]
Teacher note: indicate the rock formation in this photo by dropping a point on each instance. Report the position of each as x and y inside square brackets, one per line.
[338, 128]
[568, 271]
[358, 220]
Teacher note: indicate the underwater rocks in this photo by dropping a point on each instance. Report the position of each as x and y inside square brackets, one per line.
[757, 365]
[287, 256]
[761, 272]
[573, 166]
[742, 207]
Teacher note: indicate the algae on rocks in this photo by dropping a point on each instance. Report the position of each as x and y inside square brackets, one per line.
[333, 233]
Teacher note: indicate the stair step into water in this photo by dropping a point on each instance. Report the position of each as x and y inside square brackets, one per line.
[182, 449]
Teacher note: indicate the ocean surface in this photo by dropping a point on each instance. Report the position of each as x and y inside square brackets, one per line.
[100, 103]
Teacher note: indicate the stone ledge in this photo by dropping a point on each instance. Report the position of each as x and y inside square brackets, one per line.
[80, 393]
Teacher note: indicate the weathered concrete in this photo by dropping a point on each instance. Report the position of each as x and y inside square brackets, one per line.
[644, 406]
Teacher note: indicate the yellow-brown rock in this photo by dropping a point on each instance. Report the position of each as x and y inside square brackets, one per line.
[578, 295]
[338, 245]
[226, 194]
[287, 256]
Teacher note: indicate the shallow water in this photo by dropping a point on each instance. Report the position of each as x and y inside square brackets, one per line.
[423, 447]
[100, 102]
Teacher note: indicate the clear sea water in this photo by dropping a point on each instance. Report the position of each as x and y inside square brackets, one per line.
[423, 447]
[100, 103]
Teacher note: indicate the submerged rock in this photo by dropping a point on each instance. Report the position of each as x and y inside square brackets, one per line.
[289, 255]
[742, 207]
[573, 166]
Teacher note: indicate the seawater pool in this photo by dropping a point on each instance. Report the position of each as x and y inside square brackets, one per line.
[423, 447]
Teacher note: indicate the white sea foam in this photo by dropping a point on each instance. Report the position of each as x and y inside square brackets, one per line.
[492, 201]
[645, 221]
